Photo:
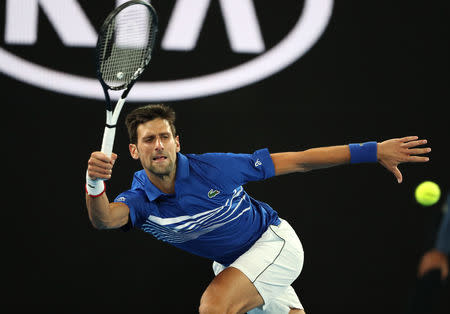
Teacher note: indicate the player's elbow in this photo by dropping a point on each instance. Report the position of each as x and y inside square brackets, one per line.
[305, 167]
[98, 224]
[110, 222]
[289, 162]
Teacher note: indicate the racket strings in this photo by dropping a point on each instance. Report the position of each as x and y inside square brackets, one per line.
[126, 45]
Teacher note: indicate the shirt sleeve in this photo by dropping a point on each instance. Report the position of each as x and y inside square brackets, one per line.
[136, 201]
[234, 170]
[443, 237]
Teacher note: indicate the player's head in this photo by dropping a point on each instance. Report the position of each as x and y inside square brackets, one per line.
[153, 138]
[147, 113]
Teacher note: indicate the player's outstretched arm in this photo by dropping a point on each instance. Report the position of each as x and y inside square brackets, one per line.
[102, 213]
[389, 153]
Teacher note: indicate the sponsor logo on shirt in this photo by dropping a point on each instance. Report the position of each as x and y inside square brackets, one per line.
[213, 193]
[258, 163]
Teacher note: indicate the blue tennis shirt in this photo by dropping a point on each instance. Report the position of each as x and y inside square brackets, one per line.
[210, 214]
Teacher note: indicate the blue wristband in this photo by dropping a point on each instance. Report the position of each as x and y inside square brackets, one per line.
[365, 152]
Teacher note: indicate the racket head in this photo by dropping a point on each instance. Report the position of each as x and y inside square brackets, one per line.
[125, 44]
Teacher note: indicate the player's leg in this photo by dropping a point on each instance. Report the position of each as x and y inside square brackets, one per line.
[230, 292]
[296, 311]
[259, 281]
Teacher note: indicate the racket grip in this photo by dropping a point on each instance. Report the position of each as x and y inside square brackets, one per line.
[108, 140]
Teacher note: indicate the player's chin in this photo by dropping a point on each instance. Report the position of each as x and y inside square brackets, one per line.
[161, 170]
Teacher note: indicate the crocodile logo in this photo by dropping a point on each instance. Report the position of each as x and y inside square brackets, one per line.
[213, 193]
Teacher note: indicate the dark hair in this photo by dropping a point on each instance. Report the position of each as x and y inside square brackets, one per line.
[147, 113]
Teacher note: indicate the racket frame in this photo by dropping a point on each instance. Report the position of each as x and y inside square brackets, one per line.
[113, 115]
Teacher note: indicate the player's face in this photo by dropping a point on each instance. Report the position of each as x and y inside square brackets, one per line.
[156, 147]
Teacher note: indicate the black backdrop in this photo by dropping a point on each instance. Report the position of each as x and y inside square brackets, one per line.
[380, 70]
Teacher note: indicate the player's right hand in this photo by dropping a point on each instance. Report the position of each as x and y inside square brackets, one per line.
[100, 165]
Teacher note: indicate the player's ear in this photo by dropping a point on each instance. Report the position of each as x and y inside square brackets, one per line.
[177, 141]
[133, 151]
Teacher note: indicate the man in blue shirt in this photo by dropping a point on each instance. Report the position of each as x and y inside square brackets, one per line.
[198, 203]
[432, 274]
[437, 258]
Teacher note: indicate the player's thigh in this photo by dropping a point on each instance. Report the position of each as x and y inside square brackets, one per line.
[230, 292]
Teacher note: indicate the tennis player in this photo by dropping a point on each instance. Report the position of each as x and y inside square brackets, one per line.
[197, 203]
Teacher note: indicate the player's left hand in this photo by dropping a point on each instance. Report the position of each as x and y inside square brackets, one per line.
[393, 152]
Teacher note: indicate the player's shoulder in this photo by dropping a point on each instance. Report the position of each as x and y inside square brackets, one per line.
[224, 158]
[131, 194]
[139, 179]
[205, 157]
[207, 165]
[214, 160]
[137, 189]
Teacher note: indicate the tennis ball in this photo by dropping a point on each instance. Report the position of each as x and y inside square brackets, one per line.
[427, 193]
[119, 75]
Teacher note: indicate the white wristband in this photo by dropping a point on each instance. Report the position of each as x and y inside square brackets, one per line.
[94, 187]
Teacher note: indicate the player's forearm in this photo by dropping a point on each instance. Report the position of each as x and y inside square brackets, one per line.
[99, 210]
[314, 158]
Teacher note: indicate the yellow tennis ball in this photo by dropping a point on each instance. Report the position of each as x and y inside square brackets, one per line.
[427, 193]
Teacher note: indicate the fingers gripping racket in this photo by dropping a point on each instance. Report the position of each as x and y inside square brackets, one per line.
[124, 49]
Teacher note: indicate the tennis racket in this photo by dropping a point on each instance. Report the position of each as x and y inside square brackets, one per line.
[124, 48]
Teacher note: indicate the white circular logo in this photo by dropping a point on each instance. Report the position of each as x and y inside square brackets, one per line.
[308, 29]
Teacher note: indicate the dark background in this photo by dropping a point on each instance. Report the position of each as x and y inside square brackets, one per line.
[379, 71]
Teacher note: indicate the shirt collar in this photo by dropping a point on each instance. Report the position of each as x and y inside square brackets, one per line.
[152, 191]
[182, 167]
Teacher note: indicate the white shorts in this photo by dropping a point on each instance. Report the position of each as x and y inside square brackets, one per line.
[273, 262]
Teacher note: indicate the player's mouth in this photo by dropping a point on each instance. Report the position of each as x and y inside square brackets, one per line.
[159, 158]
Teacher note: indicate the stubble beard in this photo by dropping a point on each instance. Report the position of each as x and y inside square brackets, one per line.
[162, 172]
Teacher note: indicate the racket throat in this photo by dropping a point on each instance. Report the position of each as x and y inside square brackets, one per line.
[110, 127]
[108, 140]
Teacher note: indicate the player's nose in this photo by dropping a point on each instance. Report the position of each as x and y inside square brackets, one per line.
[159, 144]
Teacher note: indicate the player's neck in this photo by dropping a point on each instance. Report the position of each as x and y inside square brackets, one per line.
[165, 184]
